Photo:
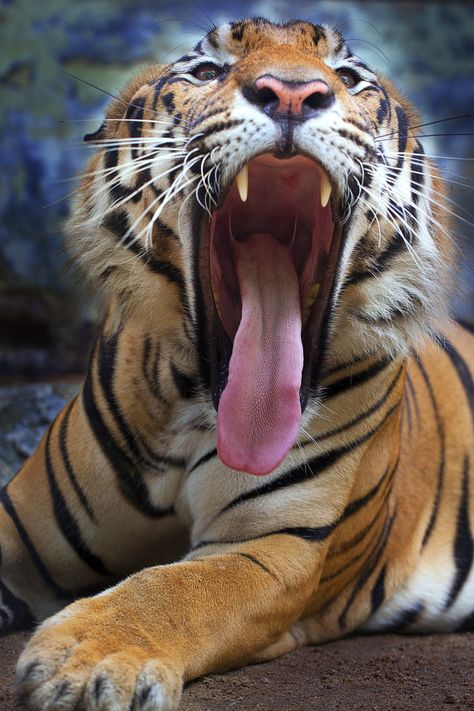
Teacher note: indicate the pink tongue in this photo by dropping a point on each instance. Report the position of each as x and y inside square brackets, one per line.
[259, 411]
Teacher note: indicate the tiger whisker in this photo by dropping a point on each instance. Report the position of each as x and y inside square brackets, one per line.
[115, 169]
[446, 180]
[429, 123]
[390, 214]
[429, 155]
[141, 188]
[439, 205]
[174, 189]
[435, 203]
[122, 201]
[120, 120]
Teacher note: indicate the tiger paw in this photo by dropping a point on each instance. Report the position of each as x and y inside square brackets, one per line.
[74, 662]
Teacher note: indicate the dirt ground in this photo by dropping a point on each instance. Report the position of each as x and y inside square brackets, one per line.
[374, 673]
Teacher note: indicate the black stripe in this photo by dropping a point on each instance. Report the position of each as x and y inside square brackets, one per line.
[22, 617]
[352, 381]
[363, 416]
[110, 161]
[129, 480]
[63, 435]
[378, 591]
[150, 369]
[338, 368]
[412, 394]
[205, 458]
[146, 361]
[463, 552]
[356, 505]
[65, 519]
[367, 551]
[402, 134]
[396, 246]
[185, 384]
[467, 625]
[168, 270]
[158, 87]
[308, 469]
[462, 370]
[407, 411]
[137, 446]
[257, 562]
[135, 112]
[405, 619]
[118, 223]
[367, 570]
[358, 538]
[107, 356]
[43, 571]
[442, 447]
[344, 133]
[382, 110]
[353, 508]
[204, 116]
[220, 126]
[417, 175]
[319, 533]
[466, 325]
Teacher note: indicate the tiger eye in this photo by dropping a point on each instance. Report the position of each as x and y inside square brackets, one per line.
[347, 78]
[207, 72]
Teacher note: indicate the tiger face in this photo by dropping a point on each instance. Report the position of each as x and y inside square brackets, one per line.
[266, 200]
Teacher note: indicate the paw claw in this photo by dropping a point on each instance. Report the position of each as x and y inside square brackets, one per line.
[62, 670]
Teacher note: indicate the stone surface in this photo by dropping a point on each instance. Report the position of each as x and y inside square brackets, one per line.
[25, 412]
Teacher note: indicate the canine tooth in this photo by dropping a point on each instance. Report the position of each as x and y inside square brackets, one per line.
[326, 189]
[243, 183]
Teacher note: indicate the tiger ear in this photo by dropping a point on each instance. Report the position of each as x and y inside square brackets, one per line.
[96, 136]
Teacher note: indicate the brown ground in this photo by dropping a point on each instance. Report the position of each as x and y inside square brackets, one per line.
[368, 673]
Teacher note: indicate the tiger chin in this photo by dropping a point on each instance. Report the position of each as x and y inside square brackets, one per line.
[277, 399]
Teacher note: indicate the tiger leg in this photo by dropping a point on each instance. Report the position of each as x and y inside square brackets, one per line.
[134, 645]
[67, 529]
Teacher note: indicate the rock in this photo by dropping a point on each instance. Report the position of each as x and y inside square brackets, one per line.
[25, 413]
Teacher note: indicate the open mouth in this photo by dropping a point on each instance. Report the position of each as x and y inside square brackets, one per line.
[267, 264]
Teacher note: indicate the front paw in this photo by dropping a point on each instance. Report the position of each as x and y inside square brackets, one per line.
[87, 658]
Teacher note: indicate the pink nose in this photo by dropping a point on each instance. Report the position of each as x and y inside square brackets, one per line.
[294, 98]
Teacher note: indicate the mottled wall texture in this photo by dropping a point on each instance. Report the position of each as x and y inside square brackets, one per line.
[427, 47]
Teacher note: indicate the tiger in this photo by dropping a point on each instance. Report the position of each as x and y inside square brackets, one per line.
[273, 445]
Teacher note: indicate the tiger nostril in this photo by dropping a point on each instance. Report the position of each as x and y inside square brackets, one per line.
[267, 99]
[286, 100]
[318, 100]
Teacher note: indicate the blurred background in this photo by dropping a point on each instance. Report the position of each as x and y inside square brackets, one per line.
[45, 326]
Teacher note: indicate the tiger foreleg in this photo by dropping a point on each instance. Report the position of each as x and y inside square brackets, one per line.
[136, 644]
[66, 528]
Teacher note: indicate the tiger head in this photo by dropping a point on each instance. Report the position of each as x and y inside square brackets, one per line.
[265, 198]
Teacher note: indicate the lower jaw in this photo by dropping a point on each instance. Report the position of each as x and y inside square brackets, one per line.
[215, 347]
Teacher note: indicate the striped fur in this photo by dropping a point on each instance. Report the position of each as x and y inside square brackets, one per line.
[368, 522]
